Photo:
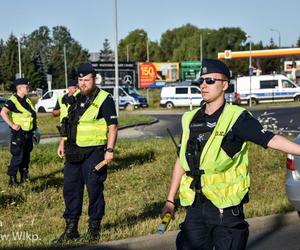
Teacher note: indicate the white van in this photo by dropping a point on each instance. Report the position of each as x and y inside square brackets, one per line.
[180, 96]
[48, 101]
[267, 88]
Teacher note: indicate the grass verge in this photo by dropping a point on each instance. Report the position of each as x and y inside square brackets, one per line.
[47, 123]
[135, 192]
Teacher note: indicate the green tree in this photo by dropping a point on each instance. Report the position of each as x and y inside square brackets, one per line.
[10, 59]
[106, 53]
[172, 40]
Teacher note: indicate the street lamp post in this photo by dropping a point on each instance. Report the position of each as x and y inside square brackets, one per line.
[116, 59]
[279, 45]
[65, 63]
[147, 45]
[250, 69]
[127, 50]
[19, 54]
[279, 37]
[201, 51]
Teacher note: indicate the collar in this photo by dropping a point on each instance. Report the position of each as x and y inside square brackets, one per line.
[217, 113]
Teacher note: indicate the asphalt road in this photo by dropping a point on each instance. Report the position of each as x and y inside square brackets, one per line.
[286, 119]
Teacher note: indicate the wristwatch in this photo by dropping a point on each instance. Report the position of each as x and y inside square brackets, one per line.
[110, 150]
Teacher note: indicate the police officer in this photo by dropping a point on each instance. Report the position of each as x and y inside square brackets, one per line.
[62, 104]
[18, 112]
[91, 133]
[211, 171]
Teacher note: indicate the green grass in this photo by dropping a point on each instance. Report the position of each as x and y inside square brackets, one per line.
[135, 192]
[47, 123]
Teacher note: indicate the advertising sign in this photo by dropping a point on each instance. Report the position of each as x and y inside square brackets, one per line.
[155, 75]
[106, 72]
[189, 70]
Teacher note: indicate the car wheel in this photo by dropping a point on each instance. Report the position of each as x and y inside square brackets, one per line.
[41, 110]
[169, 105]
[253, 101]
[297, 98]
[129, 107]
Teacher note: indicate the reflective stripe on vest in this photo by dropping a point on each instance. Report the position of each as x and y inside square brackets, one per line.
[24, 119]
[90, 130]
[225, 180]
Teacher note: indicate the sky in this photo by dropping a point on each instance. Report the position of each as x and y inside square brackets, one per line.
[91, 21]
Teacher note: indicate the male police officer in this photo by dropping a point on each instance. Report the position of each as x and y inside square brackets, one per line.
[62, 104]
[91, 133]
[18, 112]
[212, 172]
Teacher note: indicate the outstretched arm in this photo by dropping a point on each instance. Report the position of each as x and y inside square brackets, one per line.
[283, 144]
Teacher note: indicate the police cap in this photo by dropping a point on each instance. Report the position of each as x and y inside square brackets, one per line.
[214, 66]
[72, 83]
[85, 69]
[21, 81]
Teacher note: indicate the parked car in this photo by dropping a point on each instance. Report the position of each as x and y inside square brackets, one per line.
[180, 96]
[129, 98]
[4, 128]
[48, 101]
[292, 183]
[267, 88]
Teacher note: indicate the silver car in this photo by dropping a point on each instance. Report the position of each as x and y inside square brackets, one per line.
[292, 184]
[4, 129]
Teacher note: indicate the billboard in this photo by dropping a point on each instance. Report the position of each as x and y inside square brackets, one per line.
[155, 75]
[189, 70]
[106, 70]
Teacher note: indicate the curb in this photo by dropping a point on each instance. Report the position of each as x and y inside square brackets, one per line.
[166, 241]
[46, 136]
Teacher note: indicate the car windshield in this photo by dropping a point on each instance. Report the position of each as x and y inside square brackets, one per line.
[130, 90]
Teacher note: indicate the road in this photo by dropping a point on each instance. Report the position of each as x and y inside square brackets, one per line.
[286, 119]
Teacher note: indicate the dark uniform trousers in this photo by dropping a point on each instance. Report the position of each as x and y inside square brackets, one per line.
[20, 147]
[76, 175]
[205, 228]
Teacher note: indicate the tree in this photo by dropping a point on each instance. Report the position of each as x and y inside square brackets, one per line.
[106, 54]
[75, 55]
[10, 59]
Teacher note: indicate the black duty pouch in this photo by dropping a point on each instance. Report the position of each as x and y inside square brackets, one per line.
[73, 154]
[17, 142]
[18, 138]
[63, 127]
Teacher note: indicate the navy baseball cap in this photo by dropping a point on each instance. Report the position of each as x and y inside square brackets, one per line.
[85, 69]
[72, 83]
[21, 81]
[214, 66]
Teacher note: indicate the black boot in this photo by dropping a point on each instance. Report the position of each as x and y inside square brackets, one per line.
[13, 181]
[93, 233]
[70, 233]
[24, 176]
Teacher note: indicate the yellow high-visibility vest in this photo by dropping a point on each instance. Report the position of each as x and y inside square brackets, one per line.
[225, 180]
[24, 118]
[90, 130]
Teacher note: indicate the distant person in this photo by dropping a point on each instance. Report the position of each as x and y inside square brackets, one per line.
[63, 102]
[91, 133]
[212, 172]
[18, 112]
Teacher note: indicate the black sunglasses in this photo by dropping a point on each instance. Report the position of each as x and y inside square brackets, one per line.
[209, 80]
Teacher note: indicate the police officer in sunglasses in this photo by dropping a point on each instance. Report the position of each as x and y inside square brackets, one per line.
[212, 172]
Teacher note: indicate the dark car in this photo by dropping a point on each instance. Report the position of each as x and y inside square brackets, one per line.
[4, 128]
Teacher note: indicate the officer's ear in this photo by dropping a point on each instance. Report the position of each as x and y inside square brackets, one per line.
[225, 85]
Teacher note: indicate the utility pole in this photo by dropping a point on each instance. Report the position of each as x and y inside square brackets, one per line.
[116, 58]
[65, 62]
[19, 54]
